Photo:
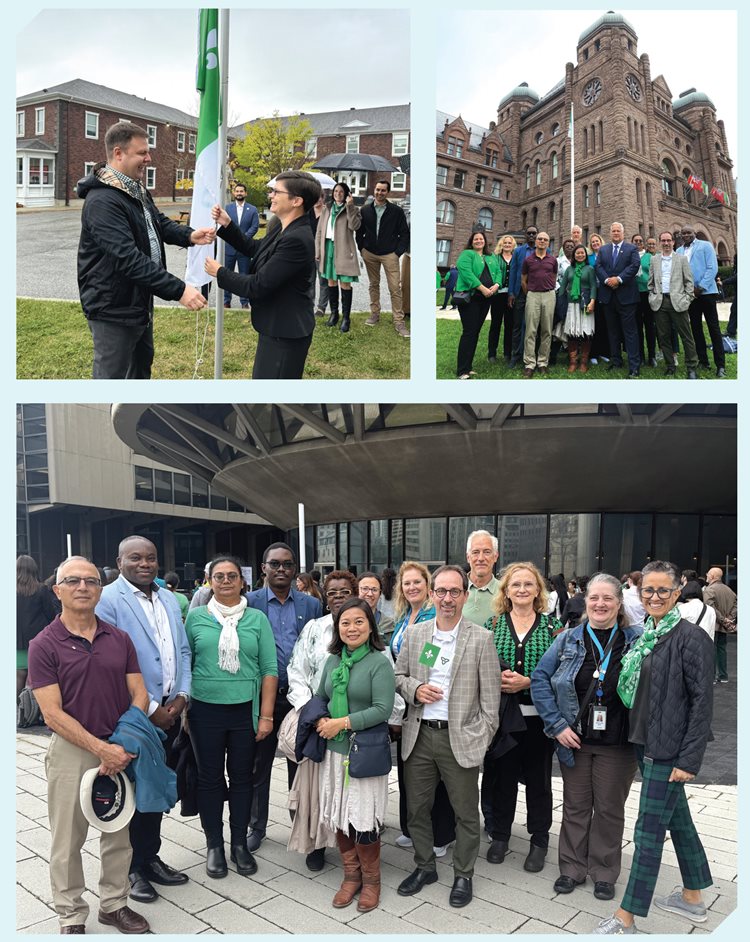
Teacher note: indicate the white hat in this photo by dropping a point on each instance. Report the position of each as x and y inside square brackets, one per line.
[107, 801]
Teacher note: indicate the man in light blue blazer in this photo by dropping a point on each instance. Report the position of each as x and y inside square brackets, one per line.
[705, 268]
[150, 615]
[288, 611]
[244, 215]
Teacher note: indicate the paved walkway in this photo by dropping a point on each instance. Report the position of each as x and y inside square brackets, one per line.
[285, 897]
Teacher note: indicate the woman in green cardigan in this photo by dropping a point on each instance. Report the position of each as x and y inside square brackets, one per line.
[478, 272]
[359, 685]
[232, 700]
[579, 285]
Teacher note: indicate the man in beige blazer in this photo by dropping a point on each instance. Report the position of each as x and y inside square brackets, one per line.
[670, 291]
[448, 672]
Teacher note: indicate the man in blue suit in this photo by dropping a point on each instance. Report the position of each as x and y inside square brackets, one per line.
[150, 615]
[705, 268]
[288, 611]
[617, 265]
[244, 215]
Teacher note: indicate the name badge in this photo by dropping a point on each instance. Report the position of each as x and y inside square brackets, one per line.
[598, 719]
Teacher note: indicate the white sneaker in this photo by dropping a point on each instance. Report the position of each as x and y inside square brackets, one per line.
[440, 851]
[403, 841]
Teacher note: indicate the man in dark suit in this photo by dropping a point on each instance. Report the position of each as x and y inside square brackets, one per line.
[288, 611]
[245, 217]
[617, 265]
[279, 283]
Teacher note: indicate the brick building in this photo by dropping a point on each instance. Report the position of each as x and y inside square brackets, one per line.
[383, 131]
[60, 136]
[635, 147]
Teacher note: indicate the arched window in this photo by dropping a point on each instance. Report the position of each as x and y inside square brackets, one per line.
[555, 165]
[601, 135]
[446, 212]
[524, 218]
[534, 216]
[528, 177]
[635, 135]
[648, 194]
[552, 211]
[668, 177]
[555, 129]
[585, 197]
[597, 193]
[539, 137]
[538, 172]
[585, 142]
[638, 190]
[593, 139]
[485, 218]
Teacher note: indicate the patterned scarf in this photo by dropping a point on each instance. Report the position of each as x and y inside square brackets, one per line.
[339, 703]
[630, 673]
[228, 616]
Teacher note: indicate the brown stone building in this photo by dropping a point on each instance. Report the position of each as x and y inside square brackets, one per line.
[60, 136]
[635, 147]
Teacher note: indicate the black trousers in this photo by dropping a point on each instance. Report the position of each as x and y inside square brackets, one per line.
[443, 818]
[122, 352]
[472, 317]
[646, 325]
[145, 826]
[705, 306]
[265, 753]
[532, 759]
[500, 314]
[519, 314]
[600, 343]
[622, 317]
[280, 357]
[223, 734]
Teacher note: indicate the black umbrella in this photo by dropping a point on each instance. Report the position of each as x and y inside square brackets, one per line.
[364, 162]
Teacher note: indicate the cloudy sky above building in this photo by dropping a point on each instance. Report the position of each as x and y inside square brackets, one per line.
[279, 60]
[689, 48]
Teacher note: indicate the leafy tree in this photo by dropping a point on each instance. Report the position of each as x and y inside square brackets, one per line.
[270, 146]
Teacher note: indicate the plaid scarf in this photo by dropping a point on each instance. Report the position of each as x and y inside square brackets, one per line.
[137, 190]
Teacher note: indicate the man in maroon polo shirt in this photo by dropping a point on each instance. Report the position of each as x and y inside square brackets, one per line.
[538, 282]
[85, 675]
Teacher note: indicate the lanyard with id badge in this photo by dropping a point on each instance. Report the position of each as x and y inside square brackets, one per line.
[597, 715]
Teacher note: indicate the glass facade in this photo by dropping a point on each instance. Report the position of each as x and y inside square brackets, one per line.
[185, 490]
[573, 544]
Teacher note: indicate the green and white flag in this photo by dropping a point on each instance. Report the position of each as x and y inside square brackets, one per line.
[429, 654]
[207, 169]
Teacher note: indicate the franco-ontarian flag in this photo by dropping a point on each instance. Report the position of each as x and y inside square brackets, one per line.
[206, 183]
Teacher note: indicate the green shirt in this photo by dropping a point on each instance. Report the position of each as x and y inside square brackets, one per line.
[478, 607]
[183, 603]
[257, 658]
[371, 692]
[642, 276]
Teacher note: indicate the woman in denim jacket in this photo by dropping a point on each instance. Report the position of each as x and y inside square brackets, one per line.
[597, 762]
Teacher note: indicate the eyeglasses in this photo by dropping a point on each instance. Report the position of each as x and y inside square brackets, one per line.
[276, 192]
[275, 564]
[226, 576]
[662, 592]
[531, 232]
[72, 581]
[338, 593]
[364, 590]
[454, 593]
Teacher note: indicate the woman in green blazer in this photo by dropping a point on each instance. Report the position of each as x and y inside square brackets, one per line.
[579, 286]
[478, 272]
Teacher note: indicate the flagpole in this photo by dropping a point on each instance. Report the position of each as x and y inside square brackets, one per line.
[572, 171]
[224, 79]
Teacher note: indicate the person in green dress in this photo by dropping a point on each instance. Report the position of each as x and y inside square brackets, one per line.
[336, 252]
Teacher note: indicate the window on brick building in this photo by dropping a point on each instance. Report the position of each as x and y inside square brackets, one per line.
[455, 146]
[443, 252]
[459, 179]
[352, 143]
[311, 147]
[490, 158]
[41, 171]
[150, 178]
[92, 125]
[535, 217]
[151, 132]
[398, 182]
[20, 123]
[446, 212]
[191, 143]
[179, 174]
[400, 145]
[181, 141]
[552, 211]
[668, 178]
[555, 165]
[538, 172]
[191, 174]
[19, 171]
[597, 193]
[496, 189]
[555, 129]
[442, 175]
[528, 177]
[538, 137]
[39, 120]
[486, 218]
[88, 167]
[481, 183]
[585, 197]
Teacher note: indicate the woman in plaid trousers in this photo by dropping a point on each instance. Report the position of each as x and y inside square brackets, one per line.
[666, 681]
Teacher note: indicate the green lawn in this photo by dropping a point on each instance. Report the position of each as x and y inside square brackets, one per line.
[54, 342]
[449, 331]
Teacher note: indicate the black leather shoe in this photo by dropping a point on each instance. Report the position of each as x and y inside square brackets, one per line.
[216, 863]
[415, 881]
[461, 893]
[604, 890]
[720, 372]
[141, 890]
[634, 374]
[565, 884]
[244, 860]
[492, 359]
[316, 860]
[156, 871]
[254, 840]
[670, 371]
[614, 366]
[535, 860]
[691, 374]
[497, 851]
[652, 361]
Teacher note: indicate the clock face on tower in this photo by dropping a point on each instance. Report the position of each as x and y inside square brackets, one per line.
[592, 91]
[634, 87]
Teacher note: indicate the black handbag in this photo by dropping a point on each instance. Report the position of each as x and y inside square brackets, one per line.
[370, 752]
[461, 298]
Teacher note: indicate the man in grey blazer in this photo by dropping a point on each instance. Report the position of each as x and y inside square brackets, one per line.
[448, 672]
[670, 292]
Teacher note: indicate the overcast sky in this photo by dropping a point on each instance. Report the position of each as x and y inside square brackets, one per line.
[308, 72]
[689, 48]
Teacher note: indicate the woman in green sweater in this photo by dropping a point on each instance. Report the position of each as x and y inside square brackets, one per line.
[233, 695]
[478, 272]
[360, 687]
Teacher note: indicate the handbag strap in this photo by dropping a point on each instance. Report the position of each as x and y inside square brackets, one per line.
[703, 612]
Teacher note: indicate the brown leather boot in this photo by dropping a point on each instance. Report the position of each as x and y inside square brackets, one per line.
[585, 354]
[352, 874]
[369, 860]
[572, 356]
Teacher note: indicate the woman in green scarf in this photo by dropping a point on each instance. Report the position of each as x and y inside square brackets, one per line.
[336, 251]
[579, 285]
[360, 687]
[666, 681]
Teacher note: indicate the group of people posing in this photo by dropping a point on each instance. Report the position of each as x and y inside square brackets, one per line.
[469, 672]
[597, 301]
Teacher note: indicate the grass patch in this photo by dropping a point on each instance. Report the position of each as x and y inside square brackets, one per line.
[53, 342]
[448, 333]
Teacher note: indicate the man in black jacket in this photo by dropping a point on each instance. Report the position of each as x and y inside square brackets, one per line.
[280, 283]
[121, 260]
[383, 238]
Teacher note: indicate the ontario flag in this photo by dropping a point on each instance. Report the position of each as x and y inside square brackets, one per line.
[207, 169]
[720, 195]
[697, 184]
